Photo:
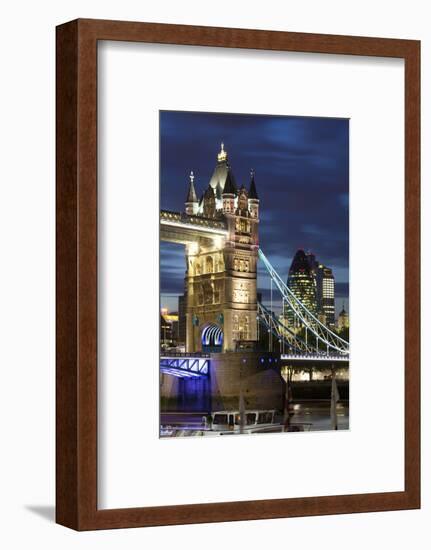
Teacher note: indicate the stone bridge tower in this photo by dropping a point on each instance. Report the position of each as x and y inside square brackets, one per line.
[220, 280]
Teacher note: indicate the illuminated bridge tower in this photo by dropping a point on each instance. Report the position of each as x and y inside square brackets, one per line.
[220, 280]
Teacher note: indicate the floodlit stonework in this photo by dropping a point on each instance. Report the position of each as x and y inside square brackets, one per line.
[220, 279]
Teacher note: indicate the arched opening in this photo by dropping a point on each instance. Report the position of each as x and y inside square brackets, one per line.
[209, 264]
[212, 338]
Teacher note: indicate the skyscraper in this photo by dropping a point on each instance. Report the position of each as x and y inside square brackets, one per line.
[325, 290]
[302, 283]
[312, 262]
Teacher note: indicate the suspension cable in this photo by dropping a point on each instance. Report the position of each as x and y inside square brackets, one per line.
[306, 317]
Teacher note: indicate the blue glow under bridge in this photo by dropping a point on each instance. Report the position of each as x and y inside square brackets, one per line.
[185, 365]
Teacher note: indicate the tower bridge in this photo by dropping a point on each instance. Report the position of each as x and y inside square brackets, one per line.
[219, 231]
[220, 234]
[225, 321]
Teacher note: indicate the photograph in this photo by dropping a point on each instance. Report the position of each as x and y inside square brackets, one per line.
[254, 274]
[215, 328]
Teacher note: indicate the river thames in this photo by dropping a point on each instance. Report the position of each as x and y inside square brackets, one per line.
[307, 415]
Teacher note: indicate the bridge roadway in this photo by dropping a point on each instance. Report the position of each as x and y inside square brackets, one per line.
[197, 365]
[182, 228]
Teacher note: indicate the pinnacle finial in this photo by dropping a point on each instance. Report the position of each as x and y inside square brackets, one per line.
[222, 155]
[192, 176]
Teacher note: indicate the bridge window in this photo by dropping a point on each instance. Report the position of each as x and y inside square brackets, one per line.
[209, 264]
[242, 201]
[242, 225]
[241, 296]
[242, 265]
[235, 327]
[209, 295]
[244, 328]
[197, 268]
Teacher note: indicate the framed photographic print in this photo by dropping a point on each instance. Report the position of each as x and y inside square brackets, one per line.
[238, 274]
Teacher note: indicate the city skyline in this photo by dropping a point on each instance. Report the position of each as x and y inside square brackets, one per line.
[301, 172]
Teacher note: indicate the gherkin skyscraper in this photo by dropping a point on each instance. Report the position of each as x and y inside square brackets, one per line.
[302, 283]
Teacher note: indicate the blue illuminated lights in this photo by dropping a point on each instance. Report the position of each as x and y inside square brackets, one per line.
[212, 335]
[185, 367]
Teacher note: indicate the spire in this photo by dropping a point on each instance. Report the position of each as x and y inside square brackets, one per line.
[222, 156]
[218, 191]
[252, 194]
[229, 186]
[191, 195]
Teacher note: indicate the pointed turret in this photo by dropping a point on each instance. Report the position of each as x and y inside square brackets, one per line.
[252, 194]
[192, 199]
[191, 196]
[221, 170]
[253, 198]
[229, 186]
[228, 194]
[209, 203]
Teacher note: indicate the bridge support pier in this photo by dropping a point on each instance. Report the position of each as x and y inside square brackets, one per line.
[257, 374]
[185, 394]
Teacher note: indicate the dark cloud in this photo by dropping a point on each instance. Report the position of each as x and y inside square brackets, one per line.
[302, 175]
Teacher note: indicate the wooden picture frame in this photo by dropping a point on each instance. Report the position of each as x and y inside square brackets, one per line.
[76, 374]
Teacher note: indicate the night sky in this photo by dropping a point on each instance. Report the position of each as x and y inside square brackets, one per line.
[302, 177]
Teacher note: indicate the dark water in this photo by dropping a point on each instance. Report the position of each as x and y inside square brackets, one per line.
[314, 415]
[318, 414]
